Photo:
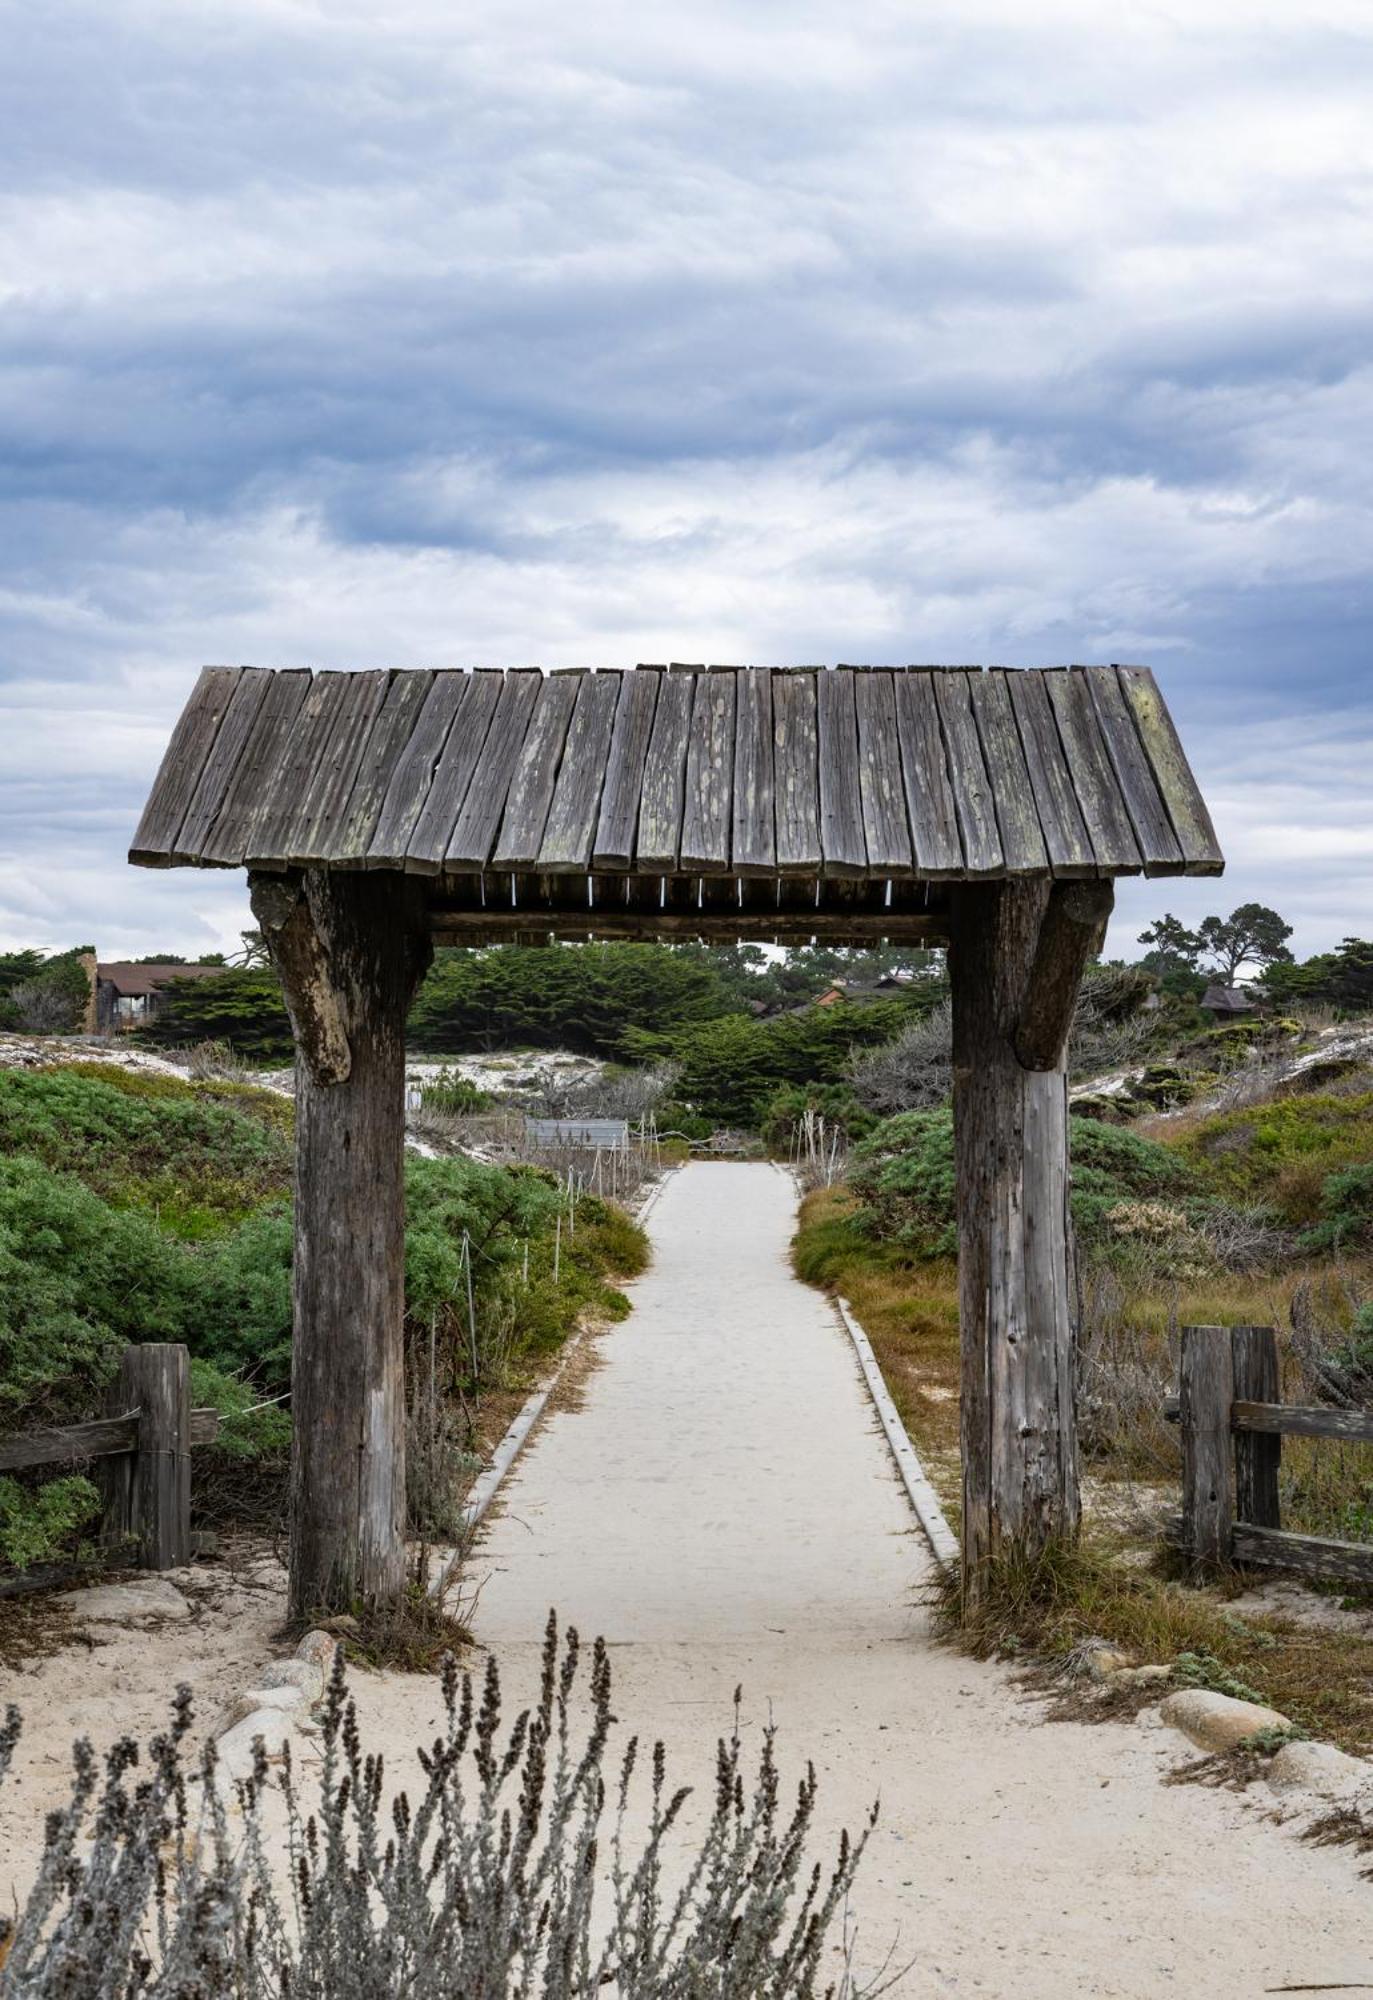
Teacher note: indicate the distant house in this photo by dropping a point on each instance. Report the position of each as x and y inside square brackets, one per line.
[128, 995]
[1227, 1003]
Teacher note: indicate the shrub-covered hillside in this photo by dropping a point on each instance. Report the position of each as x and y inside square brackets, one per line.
[138, 1207]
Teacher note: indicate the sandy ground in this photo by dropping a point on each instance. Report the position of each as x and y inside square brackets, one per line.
[722, 1508]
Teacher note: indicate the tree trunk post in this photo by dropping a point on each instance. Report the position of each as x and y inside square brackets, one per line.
[1258, 1457]
[1016, 956]
[350, 949]
[1206, 1391]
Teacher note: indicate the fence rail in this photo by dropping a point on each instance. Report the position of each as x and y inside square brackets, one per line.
[144, 1449]
[1233, 1422]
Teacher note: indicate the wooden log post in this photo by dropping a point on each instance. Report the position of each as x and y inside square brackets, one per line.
[147, 1491]
[1016, 956]
[1258, 1457]
[350, 949]
[1206, 1392]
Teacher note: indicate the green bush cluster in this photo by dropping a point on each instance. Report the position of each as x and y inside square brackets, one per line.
[904, 1177]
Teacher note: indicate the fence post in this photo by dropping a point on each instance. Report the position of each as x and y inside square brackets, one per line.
[148, 1490]
[1206, 1392]
[1254, 1358]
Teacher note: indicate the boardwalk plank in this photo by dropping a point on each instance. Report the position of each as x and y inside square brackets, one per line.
[886, 830]
[930, 804]
[536, 774]
[1108, 824]
[478, 823]
[392, 733]
[624, 777]
[155, 843]
[1060, 816]
[571, 830]
[231, 740]
[754, 837]
[250, 797]
[968, 779]
[707, 813]
[796, 771]
[1022, 838]
[428, 843]
[1186, 808]
[842, 846]
[664, 792]
[1158, 844]
[409, 784]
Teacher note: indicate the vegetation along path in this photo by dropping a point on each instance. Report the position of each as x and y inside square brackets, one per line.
[724, 1509]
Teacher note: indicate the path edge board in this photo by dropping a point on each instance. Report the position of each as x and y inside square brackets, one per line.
[922, 1496]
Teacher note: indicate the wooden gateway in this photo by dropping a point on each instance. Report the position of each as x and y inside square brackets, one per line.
[377, 812]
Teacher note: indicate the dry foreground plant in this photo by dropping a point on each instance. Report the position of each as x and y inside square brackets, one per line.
[495, 1880]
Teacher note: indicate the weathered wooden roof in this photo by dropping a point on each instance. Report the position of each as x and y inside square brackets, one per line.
[865, 774]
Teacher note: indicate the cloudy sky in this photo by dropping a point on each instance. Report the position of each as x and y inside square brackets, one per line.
[770, 331]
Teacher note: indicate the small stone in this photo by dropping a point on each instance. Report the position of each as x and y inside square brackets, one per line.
[319, 1648]
[1142, 1677]
[1104, 1662]
[1318, 1768]
[252, 1701]
[307, 1675]
[1216, 1722]
[236, 1746]
[144, 1601]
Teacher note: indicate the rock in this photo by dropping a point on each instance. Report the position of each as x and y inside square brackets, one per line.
[307, 1675]
[1216, 1722]
[253, 1701]
[1104, 1663]
[144, 1601]
[319, 1648]
[1142, 1677]
[1318, 1768]
[236, 1751]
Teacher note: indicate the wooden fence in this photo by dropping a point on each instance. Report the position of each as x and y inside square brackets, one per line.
[144, 1447]
[1233, 1422]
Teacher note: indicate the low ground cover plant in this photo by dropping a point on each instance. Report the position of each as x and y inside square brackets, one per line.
[511, 1868]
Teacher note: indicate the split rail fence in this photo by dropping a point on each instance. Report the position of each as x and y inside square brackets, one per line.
[1233, 1423]
[144, 1447]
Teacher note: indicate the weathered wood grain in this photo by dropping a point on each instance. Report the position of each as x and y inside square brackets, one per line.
[1158, 844]
[251, 795]
[1205, 1393]
[570, 833]
[930, 806]
[290, 788]
[664, 792]
[754, 837]
[408, 788]
[1060, 816]
[618, 823]
[1308, 1555]
[1017, 814]
[796, 772]
[536, 774]
[182, 766]
[707, 811]
[311, 831]
[1186, 807]
[147, 1492]
[392, 734]
[843, 849]
[70, 1444]
[477, 825]
[1258, 1459]
[1265, 1415]
[968, 779]
[1070, 933]
[220, 764]
[462, 751]
[1098, 794]
[886, 832]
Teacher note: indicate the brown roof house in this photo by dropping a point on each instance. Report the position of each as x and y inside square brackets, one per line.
[128, 995]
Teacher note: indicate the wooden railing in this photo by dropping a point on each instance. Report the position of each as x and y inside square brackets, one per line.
[144, 1449]
[1233, 1422]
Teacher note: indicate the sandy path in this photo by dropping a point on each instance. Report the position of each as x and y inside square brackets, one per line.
[723, 1509]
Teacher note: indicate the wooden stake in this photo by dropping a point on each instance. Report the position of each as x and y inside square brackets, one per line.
[1206, 1391]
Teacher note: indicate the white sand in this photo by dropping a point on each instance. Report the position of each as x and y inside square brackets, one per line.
[724, 1510]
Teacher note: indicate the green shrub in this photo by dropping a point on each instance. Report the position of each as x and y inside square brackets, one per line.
[1281, 1153]
[40, 1523]
[1346, 1217]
